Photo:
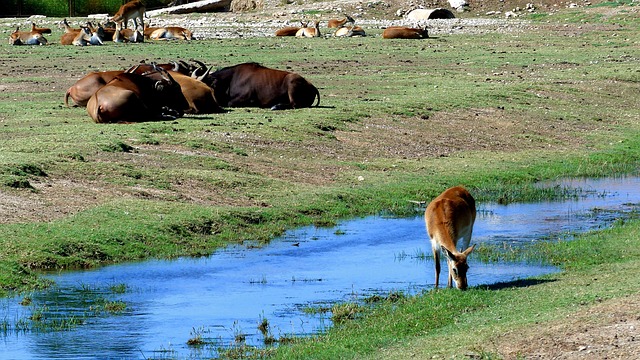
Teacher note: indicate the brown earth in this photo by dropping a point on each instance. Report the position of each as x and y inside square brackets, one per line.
[609, 330]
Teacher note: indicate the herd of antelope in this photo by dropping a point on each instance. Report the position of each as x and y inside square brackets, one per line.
[168, 91]
[115, 29]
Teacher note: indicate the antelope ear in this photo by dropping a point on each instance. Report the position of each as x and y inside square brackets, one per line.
[448, 253]
[469, 250]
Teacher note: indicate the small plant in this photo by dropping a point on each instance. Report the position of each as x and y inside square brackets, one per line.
[26, 301]
[341, 313]
[115, 306]
[196, 337]
[118, 288]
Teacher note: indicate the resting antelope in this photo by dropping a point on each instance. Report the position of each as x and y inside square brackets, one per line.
[26, 38]
[401, 32]
[170, 33]
[127, 35]
[133, 10]
[350, 31]
[34, 28]
[290, 30]
[64, 24]
[449, 218]
[310, 31]
[335, 23]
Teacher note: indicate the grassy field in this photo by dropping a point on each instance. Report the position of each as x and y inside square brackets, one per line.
[399, 121]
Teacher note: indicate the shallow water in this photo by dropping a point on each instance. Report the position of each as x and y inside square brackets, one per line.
[228, 293]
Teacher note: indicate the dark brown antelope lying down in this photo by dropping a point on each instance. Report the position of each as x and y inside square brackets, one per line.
[253, 85]
[401, 32]
[132, 97]
[199, 96]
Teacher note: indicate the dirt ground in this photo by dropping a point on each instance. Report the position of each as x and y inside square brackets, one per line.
[609, 330]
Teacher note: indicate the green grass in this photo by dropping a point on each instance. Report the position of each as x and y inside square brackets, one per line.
[189, 186]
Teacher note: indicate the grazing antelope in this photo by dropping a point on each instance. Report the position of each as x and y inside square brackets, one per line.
[401, 32]
[133, 10]
[310, 31]
[338, 23]
[171, 33]
[350, 31]
[290, 30]
[449, 218]
[26, 38]
[34, 28]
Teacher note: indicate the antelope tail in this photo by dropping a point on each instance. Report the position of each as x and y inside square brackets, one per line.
[66, 98]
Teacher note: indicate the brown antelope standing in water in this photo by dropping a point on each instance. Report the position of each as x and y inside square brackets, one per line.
[338, 23]
[402, 32]
[449, 218]
[290, 30]
[310, 31]
[133, 10]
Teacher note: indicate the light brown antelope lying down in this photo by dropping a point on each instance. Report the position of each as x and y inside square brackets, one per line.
[26, 38]
[127, 35]
[350, 31]
[290, 30]
[338, 23]
[131, 97]
[133, 10]
[402, 32]
[449, 218]
[310, 31]
[171, 33]
[64, 24]
[34, 28]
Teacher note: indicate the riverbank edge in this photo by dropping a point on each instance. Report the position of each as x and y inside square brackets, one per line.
[490, 322]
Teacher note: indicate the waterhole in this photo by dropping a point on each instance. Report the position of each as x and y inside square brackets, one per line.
[153, 309]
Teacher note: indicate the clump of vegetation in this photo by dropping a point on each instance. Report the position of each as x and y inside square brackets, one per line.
[341, 313]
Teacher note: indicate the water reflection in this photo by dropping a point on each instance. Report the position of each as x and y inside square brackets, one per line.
[228, 293]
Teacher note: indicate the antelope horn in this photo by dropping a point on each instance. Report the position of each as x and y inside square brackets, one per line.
[201, 78]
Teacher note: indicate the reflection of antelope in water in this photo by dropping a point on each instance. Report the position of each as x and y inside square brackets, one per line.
[309, 31]
[290, 30]
[449, 218]
[338, 23]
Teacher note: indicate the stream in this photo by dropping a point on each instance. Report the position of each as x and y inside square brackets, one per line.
[226, 295]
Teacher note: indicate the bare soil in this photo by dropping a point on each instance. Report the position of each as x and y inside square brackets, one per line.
[609, 330]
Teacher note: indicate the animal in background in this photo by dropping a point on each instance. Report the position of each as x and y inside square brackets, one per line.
[26, 38]
[449, 218]
[403, 32]
[133, 10]
[310, 31]
[338, 23]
